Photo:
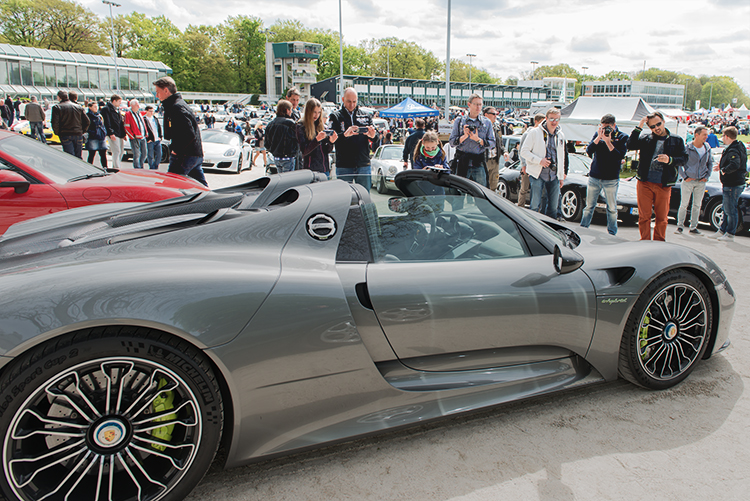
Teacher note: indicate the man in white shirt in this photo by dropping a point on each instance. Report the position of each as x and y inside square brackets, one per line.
[694, 174]
[153, 138]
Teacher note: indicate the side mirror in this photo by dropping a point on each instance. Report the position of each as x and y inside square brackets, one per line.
[566, 260]
[13, 180]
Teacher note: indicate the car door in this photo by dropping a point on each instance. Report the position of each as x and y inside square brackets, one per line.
[17, 205]
[480, 294]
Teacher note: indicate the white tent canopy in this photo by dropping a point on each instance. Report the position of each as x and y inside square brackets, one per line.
[582, 117]
[673, 112]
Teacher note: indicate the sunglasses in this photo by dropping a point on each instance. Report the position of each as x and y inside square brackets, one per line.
[655, 126]
[491, 113]
[553, 119]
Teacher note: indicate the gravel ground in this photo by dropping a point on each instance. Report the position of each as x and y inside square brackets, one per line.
[607, 441]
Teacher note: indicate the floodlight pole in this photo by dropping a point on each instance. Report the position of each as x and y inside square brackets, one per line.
[114, 44]
[448, 66]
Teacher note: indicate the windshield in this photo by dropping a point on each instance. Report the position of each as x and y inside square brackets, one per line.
[59, 167]
[579, 164]
[392, 153]
[220, 137]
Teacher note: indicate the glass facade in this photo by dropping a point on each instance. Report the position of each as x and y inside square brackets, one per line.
[654, 93]
[42, 72]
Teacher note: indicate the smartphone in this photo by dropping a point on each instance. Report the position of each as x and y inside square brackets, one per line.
[329, 132]
[363, 130]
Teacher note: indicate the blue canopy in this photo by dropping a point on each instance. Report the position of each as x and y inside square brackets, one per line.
[409, 108]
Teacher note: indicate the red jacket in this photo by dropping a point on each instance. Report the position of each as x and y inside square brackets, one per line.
[131, 126]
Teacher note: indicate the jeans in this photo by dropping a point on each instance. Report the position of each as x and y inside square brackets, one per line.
[116, 148]
[154, 154]
[609, 187]
[359, 175]
[187, 166]
[37, 130]
[73, 145]
[730, 199]
[653, 196]
[688, 189]
[285, 164]
[138, 146]
[478, 175]
[552, 189]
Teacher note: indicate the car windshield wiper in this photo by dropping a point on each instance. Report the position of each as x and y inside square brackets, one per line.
[88, 176]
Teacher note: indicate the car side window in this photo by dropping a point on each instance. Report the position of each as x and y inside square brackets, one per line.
[4, 165]
[441, 227]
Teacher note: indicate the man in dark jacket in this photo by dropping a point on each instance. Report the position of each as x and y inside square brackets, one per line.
[353, 147]
[181, 127]
[69, 121]
[281, 137]
[607, 149]
[661, 154]
[411, 142]
[115, 126]
[733, 168]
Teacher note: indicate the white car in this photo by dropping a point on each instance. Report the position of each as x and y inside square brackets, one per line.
[223, 150]
[386, 163]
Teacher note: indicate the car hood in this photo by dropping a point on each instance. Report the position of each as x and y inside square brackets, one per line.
[218, 150]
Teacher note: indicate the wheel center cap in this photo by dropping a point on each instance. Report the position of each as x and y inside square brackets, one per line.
[671, 331]
[109, 433]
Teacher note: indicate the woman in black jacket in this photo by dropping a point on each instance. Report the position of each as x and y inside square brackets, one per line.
[314, 142]
[97, 135]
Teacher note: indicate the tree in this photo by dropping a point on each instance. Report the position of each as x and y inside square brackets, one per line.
[207, 69]
[22, 22]
[72, 28]
[244, 46]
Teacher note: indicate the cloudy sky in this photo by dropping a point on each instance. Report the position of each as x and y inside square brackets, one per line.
[699, 37]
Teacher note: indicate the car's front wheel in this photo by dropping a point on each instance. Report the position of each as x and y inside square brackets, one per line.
[572, 205]
[380, 185]
[116, 414]
[503, 189]
[667, 331]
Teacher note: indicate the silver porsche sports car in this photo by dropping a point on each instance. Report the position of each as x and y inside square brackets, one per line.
[137, 339]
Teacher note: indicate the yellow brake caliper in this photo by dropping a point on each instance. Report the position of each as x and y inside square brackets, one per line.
[164, 402]
[643, 335]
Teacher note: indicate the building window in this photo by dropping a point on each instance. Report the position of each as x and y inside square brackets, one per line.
[37, 71]
[26, 77]
[93, 78]
[83, 78]
[14, 73]
[3, 72]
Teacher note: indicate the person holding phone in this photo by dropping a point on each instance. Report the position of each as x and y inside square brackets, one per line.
[315, 142]
[356, 138]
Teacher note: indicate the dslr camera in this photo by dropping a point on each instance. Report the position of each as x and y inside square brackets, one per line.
[472, 128]
[608, 130]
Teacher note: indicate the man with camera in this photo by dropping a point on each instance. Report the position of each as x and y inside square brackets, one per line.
[607, 149]
[472, 136]
[546, 162]
[356, 137]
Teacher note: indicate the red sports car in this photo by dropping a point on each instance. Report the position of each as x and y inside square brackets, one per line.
[36, 179]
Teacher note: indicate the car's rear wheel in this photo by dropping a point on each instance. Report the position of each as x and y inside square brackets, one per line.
[572, 205]
[164, 153]
[503, 189]
[239, 162]
[715, 214]
[667, 332]
[116, 414]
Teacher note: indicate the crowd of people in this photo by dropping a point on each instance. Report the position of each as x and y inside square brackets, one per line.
[304, 140]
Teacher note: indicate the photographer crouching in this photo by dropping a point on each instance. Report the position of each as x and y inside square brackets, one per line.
[607, 149]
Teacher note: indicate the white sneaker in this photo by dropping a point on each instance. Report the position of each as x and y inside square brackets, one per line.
[718, 234]
[727, 237]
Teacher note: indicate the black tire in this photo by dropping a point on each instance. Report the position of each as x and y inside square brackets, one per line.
[164, 154]
[62, 385]
[572, 205]
[667, 331]
[503, 189]
[239, 162]
[380, 185]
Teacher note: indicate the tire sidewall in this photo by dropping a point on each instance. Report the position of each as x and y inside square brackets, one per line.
[26, 375]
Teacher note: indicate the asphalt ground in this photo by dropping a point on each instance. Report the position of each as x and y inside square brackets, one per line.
[606, 441]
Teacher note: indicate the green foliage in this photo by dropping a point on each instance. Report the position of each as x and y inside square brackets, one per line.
[51, 24]
[244, 46]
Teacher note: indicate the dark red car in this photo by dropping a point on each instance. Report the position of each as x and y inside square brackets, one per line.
[36, 180]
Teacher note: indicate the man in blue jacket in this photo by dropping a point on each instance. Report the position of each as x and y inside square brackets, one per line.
[607, 149]
[694, 175]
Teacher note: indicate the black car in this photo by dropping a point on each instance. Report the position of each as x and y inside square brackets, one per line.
[711, 206]
[573, 192]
